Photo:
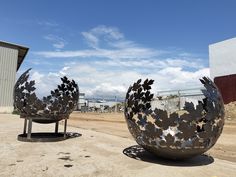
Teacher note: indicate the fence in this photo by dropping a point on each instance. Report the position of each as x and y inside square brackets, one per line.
[97, 106]
[170, 100]
[174, 100]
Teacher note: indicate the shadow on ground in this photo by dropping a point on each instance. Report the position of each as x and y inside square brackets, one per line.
[139, 153]
[47, 137]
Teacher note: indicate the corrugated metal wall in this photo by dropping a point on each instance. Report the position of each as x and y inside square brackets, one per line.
[227, 87]
[8, 65]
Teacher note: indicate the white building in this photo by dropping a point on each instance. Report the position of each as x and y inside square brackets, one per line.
[11, 57]
[223, 68]
[82, 103]
[222, 58]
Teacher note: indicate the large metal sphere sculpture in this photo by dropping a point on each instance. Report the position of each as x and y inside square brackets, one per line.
[173, 135]
[52, 108]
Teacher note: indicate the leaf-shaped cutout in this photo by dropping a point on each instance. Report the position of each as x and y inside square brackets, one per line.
[142, 120]
[146, 85]
[169, 139]
[136, 86]
[150, 130]
[189, 106]
[139, 81]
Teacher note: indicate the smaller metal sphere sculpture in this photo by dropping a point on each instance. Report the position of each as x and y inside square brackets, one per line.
[50, 109]
[174, 135]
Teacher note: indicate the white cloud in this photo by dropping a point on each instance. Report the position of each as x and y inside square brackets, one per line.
[102, 33]
[102, 53]
[91, 39]
[153, 63]
[57, 42]
[39, 62]
[37, 77]
[117, 63]
[176, 77]
[63, 71]
[43, 83]
[107, 32]
[48, 23]
[95, 81]
[105, 42]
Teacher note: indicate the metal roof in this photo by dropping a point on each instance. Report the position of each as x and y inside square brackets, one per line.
[22, 51]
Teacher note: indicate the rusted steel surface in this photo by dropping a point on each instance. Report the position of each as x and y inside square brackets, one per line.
[173, 135]
[227, 87]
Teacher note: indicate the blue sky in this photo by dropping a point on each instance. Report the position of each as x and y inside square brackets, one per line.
[105, 45]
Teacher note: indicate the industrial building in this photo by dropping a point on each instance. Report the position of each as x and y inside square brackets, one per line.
[223, 68]
[82, 103]
[11, 57]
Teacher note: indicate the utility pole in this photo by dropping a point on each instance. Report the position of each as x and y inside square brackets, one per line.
[179, 99]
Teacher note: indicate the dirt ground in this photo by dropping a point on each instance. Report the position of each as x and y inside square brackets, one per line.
[103, 148]
[114, 124]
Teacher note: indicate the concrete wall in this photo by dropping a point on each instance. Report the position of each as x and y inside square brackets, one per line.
[222, 58]
[8, 67]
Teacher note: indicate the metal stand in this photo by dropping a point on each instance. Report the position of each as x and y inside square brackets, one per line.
[29, 128]
[25, 125]
[56, 127]
[28, 136]
[65, 125]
